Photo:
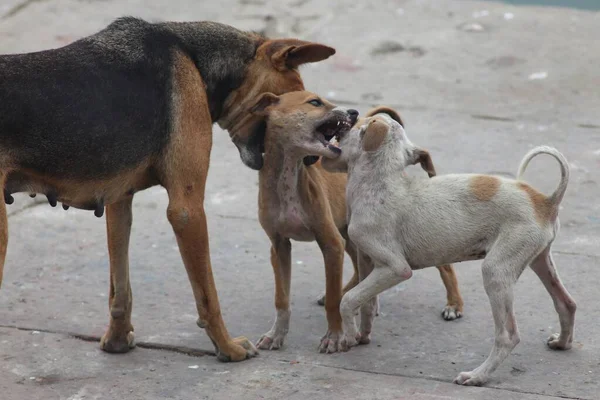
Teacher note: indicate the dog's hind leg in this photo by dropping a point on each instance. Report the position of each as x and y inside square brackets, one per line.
[281, 260]
[454, 301]
[119, 337]
[501, 269]
[564, 304]
[3, 229]
[389, 270]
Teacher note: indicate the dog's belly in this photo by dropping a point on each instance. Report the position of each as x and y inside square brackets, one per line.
[88, 194]
[450, 255]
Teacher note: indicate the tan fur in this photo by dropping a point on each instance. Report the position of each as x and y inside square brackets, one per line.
[454, 299]
[375, 135]
[183, 173]
[385, 110]
[264, 75]
[541, 205]
[484, 187]
[119, 336]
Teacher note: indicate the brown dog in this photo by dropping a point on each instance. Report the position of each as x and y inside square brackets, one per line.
[307, 203]
[131, 107]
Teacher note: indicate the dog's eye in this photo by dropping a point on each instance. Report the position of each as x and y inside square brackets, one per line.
[316, 103]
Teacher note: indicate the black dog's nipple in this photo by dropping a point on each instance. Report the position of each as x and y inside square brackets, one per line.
[8, 199]
[51, 198]
[32, 195]
[99, 212]
[65, 207]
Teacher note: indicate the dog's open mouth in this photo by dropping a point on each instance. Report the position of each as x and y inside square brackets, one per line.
[332, 128]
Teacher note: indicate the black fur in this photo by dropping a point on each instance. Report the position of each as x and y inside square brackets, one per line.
[103, 103]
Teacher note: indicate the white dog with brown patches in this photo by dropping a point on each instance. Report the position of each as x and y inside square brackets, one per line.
[405, 224]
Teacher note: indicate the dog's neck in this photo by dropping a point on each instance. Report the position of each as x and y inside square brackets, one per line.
[283, 172]
[222, 71]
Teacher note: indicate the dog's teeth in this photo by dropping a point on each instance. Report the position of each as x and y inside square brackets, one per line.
[338, 123]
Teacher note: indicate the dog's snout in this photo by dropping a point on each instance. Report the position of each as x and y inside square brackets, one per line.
[353, 114]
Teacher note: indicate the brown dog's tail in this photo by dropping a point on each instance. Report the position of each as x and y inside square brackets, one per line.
[556, 197]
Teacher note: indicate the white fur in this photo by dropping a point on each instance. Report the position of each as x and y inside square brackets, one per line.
[404, 224]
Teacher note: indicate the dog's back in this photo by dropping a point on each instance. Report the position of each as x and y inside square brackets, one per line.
[103, 103]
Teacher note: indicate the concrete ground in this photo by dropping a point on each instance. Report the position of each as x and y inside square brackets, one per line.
[477, 83]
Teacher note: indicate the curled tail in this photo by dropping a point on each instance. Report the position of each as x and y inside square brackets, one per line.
[556, 197]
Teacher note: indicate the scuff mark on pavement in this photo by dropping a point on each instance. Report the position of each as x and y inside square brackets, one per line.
[20, 7]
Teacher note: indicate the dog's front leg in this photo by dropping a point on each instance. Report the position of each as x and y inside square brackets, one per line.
[183, 170]
[332, 246]
[119, 337]
[188, 219]
[454, 301]
[389, 269]
[371, 307]
[281, 254]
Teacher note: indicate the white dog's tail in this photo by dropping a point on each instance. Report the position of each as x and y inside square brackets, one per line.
[556, 197]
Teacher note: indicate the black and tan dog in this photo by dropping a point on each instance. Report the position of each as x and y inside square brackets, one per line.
[130, 107]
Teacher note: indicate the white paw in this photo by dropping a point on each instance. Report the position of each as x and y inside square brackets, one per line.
[470, 379]
[271, 341]
[555, 343]
[450, 313]
[330, 343]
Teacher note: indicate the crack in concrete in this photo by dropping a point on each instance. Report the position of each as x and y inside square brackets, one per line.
[200, 353]
[432, 378]
[20, 7]
[143, 345]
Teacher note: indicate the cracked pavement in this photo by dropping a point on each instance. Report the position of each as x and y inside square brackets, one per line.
[478, 89]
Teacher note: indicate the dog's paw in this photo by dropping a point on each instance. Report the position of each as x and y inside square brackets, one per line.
[555, 342]
[240, 349]
[271, 341]
[364, 338]
[331, 342]
[349, 341]
[451, 312]
[470, 379]
[117, 344]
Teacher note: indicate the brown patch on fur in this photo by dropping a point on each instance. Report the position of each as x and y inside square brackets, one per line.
[542, 207]
[385, 110]
[424, 159]
[375, 135]
[484, 187]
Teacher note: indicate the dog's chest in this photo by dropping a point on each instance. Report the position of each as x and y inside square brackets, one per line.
[291, 220]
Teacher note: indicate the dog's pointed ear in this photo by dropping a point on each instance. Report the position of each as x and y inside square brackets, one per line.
[423, 157]
[262, 103]
[386, 110]
[291, 53]
[374, 135]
